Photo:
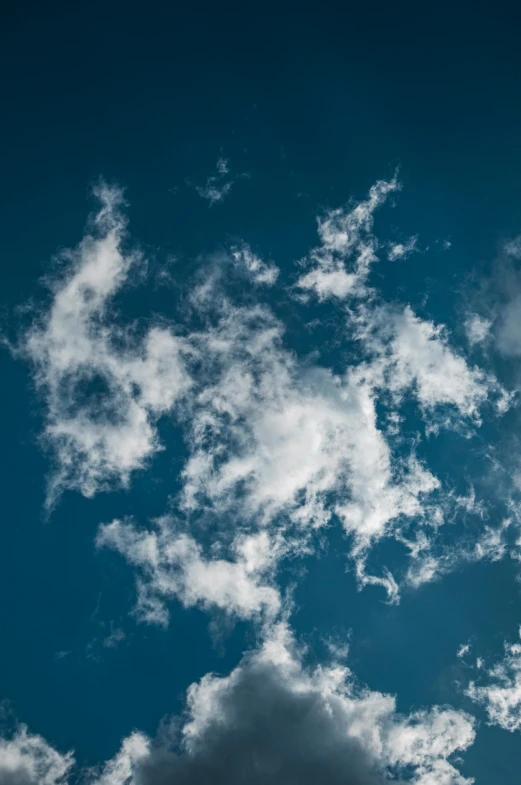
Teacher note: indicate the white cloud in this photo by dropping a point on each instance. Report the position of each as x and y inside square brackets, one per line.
[27, 759]
[477, 328]
[260, 272]
[463, 650]
[416, 354]
[402, 250]
[273, 717]
[346, 238]
[429, 561]
[120, 770]
[279, 447]
[104, 386]
[274, 439]
[172, 564]
[218, 185]
[499, 690]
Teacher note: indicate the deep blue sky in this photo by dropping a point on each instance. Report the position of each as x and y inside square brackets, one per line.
[315, 104]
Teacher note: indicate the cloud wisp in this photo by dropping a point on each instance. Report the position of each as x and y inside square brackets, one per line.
[218, 185]
[499, 689]
[104, 386]
[340, 265]
[171, 564]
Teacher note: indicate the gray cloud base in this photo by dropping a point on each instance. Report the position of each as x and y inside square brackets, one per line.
[266, 734]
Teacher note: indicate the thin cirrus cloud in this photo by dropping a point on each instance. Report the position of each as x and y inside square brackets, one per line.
[275, 719]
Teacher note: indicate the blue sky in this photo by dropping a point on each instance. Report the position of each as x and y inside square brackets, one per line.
[261, 308]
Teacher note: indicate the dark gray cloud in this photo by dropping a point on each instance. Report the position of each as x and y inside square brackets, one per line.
[266, 733]
[18, 777]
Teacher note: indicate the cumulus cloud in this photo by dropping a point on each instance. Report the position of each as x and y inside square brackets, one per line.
[27, 759]
[274, 720]
[280, 447]
[104, 386]
[277, 445]
[499, 689]
[171, 564]
[340, 265]
[273, 438]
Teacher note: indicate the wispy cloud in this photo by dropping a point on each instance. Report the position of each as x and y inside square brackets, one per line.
[402, 250]
[172, 565]
[104, 385]
[499, 689]
[260, 272]
[219, 185]
[340, 265]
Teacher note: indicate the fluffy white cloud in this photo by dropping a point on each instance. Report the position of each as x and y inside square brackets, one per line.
[277, 445]
[27, 759]
[273, 718]
[499, 690]
[172, 564]
[341, 264]
[416, 355]
[105, 386]
[273, 438]
[280, 447]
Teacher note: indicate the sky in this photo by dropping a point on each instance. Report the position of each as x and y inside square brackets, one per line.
[260, 325]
